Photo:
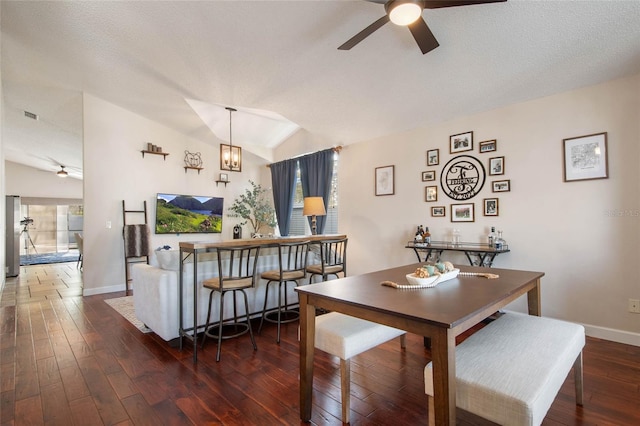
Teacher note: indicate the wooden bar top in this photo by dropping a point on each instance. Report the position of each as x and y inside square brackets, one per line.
[266, 241]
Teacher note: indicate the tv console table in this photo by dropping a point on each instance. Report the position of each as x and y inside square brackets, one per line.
[188, 249]
[477, 254]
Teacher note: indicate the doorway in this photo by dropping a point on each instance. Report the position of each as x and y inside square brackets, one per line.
[50, 228]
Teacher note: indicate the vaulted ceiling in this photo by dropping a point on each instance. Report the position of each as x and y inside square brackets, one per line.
[280, 58]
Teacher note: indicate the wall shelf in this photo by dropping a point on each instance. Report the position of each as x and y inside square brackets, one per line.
[222, 181]
[164, 154]
[193, 168]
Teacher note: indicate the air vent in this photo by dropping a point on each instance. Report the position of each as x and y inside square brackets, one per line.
[31, 115]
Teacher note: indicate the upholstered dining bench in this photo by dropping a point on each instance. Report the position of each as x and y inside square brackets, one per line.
[345, 336]
[511, 370]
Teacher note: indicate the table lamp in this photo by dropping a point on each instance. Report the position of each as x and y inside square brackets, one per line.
[313, 206]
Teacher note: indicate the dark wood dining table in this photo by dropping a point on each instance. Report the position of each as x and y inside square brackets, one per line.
[440, 313]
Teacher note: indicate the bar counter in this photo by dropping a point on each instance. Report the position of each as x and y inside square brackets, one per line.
[194, 248]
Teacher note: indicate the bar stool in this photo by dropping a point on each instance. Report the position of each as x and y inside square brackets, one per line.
[292, 260]
[333, 259]
[236, 272]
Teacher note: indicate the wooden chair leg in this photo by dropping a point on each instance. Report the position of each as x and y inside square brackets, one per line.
[577, 374]
[403, 341]
[431, 410]
[345, 388]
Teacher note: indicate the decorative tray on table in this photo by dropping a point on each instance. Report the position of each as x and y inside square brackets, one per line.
[427, 276]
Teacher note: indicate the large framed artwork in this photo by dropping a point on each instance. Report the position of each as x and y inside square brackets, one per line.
[585, 157]
[385, 180]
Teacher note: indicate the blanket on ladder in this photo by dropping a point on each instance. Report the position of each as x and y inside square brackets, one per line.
[136, 240]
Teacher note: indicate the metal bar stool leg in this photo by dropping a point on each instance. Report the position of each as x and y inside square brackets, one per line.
[220, 326]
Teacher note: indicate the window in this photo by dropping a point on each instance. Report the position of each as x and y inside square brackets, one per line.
[299, 224]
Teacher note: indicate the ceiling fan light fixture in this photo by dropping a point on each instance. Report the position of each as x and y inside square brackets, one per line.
[404, 12]
[62, 172]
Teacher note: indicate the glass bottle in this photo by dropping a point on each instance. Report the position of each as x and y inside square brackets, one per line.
[491, 238]
[426, 236]
[455, 237]
[500, 242]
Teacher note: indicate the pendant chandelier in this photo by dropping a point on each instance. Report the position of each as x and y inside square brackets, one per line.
[230, 156]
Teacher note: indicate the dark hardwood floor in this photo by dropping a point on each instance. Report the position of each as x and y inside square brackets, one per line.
[67, 359]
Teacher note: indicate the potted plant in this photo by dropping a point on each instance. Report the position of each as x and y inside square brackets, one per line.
[255, 208]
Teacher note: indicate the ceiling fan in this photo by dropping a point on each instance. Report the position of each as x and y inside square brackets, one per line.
[409, 13]
[59, 169]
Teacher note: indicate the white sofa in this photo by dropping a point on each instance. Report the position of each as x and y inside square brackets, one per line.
[155, 291]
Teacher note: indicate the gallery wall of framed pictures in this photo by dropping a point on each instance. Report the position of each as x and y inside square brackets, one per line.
[467, 169]
[469, 165]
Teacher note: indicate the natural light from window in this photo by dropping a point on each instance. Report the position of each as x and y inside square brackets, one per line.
[299, 224]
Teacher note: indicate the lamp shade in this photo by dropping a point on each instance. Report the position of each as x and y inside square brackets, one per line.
[313, 206]
[404, 12]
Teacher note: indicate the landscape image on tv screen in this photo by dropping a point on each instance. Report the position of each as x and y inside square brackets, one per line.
[184, 214]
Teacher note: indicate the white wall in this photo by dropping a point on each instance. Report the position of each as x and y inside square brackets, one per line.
[114, 170]
[570, 231]
[27, 181]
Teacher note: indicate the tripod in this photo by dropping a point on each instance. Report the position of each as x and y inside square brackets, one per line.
[25, 230]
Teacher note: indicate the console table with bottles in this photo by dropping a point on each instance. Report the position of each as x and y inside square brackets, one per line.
[478, 254]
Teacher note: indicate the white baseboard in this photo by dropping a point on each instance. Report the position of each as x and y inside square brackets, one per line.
[604, 333]
[102, 290]
[619, 336]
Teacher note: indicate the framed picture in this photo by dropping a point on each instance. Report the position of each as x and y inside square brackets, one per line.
[230, 158]
[431, 193]
[385, 180]
[429, 175]
[487, 146]
[490, 207]
[437, 211]
[462, 212]
[433, 157]
[224, 177]
[461, 142]
[496, 166]
[585, 157]
[501, 186]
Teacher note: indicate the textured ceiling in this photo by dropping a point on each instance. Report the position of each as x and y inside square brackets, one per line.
[282, 57]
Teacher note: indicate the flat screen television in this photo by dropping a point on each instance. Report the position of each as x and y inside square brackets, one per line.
[188, 214]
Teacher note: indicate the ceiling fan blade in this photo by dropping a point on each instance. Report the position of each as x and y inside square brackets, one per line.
[436, 4]
[364, 33]
[423, 36]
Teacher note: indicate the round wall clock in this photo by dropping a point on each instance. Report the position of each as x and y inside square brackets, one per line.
[462, 177]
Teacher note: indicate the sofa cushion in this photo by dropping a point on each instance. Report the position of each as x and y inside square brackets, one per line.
[168, 259]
